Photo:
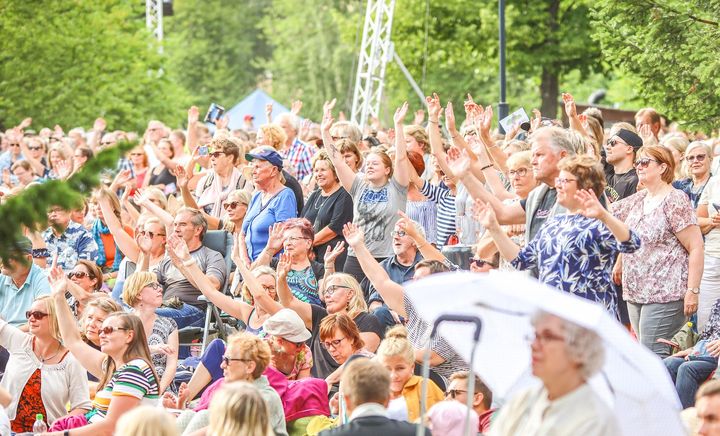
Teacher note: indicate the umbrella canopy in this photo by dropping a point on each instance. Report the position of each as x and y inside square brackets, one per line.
[253, 105]
[633, 381]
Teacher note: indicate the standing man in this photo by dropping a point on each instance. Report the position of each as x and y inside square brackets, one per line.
[620, 174]
[295, 152]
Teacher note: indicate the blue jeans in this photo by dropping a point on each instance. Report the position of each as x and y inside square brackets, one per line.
[186, 316]
[688, 375]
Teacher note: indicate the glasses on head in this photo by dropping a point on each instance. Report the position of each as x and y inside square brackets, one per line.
[330, 290]
[78, 274]
[227, 360]
[150, 234]
[520, 172]
[35, 314]
[453, 393]
[643, 162]
[332, 344]
[559, 181]
[108, 330]
[543, 337]
[232, 205]
[216, 154]
[34, 148]
[696, 158]
[481, 263]
[398, 233]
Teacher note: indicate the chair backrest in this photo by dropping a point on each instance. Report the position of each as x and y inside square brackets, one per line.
[222, 242]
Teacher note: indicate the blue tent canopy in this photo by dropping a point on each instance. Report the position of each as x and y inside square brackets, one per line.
[253, 104]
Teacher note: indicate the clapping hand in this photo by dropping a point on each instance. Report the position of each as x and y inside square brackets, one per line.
[353, 235]
[332, 254]
[591, 206]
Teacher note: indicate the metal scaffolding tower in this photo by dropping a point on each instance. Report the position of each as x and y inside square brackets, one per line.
[154, 18]
[375, 52]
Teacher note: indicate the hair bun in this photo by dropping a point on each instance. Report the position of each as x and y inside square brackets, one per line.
[397, 332]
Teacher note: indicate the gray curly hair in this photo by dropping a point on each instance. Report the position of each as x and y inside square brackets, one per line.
[583, 345]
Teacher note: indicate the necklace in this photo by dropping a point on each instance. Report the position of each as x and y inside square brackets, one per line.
[45, 359]
[319, 204]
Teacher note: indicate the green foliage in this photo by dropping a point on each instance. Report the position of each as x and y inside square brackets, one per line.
[313, 51]
[29, 209]
[215, 48]
[671, 47]
[67, 62]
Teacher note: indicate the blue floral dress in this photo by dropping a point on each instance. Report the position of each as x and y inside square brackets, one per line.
[576, 254]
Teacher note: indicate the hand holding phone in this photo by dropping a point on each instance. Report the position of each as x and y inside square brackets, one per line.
[215, 111]
[203, 150]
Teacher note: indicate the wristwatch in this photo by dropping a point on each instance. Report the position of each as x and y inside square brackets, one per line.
[694, 290]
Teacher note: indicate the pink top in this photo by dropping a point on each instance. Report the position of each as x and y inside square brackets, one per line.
[658, 271]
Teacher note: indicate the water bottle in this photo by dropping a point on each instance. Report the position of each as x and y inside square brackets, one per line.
[39, 426]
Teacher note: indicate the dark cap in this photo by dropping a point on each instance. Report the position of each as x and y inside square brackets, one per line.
[271, 156]
[630, 138]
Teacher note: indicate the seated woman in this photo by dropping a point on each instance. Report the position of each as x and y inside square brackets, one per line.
[296, 237]
[341, 338]
[97, 309]
[690, 368]
[109, 254]
[245, 359]
[144, 294]
[40, 375]
[398, 356]
[585, 241]
[239, 409]
[123, 366]
[86, 279]
[565, 357]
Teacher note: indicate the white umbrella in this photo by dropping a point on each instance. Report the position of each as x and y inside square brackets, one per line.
[633, 381]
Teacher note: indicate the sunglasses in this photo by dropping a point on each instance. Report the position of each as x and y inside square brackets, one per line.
[453, 393]
[334, 344]
[14, 145]
[110, 329]
[643, 162]
[481, 263]
[35, 314]
[216, 154]
[79, 274]
[698, 158]
[34, 148]
[150, 234]
[232, 205]
[612, 142]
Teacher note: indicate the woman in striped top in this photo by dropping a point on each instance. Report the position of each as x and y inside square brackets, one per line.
[123, 366]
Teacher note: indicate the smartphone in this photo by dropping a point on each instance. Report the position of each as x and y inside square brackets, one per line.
[203, 150]
[215, 111]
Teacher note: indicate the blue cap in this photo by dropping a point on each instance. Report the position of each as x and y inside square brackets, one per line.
[271, 156]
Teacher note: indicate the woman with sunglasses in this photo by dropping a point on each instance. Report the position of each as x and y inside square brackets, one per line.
[698, 160]
[573, 252]
[144, 294]
[123, 366]
[223, 178]
[40, 375]
[661, 280]
[97, 309]
[85, 281]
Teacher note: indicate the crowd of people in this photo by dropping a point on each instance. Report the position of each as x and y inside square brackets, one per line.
[302, 235]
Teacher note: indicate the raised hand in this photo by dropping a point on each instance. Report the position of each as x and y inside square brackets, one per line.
[64, 169]
[485, 215]
[400, 113]
[144, 243]
[419, 117]
[331, 255]
[485, 121]
[450, 118]
[328, 119]
[100, 125]
[535, 122]
[123, 178]
[222, 122]
[458, 161]
[193, 115]
[177, 247]
[646, 134]
[181, 176]
[268, 112]
[353, 235]
[239, 253]
[512, 133]
[591, 206]
[471, 108]
[434, 108]
[56, 276]
[284, 264]
[275, 237]
[570, 108]
[25, 123]
[305, 128]
[296, 106]
[406, 225]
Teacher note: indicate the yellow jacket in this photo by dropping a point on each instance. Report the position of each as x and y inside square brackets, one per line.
[412, 391]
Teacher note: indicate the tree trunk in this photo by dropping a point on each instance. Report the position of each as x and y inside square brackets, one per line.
[549, 91]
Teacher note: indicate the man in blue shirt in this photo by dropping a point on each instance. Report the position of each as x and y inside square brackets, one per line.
[68, 240]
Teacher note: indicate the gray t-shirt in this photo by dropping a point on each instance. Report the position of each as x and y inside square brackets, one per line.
[176, 285]
[375, 211]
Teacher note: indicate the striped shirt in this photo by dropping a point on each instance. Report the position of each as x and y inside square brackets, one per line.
[424, 213]
[134, 379]
[446, 211]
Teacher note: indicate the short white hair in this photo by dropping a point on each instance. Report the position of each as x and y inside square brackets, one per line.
[558, 138]
[292, 119]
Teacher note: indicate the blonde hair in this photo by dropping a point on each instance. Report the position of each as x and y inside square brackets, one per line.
[420, 135]
[52, 316]
[251, 347]
[520, 158]
[146, 421]
[154, 193]
[134, 284]
[257, 272]
[239, 409]
[357, 304]
[396, 343]
[273, 134]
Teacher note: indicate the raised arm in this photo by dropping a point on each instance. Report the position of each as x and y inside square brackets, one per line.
[391, 292]
[427, 250]
[286, 296]
[489, 173]
[486, 216]
[483, 124]
[273, 246]
[401, 173]
[182, 180]
[164, 216]
[434, 136]
[571, 112]
[124, 241]
[345, 174]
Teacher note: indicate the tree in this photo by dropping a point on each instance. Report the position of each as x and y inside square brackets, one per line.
[69, 62]
[671, 47]
[216, 48]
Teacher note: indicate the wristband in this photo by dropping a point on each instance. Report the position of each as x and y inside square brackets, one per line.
[189, 262]
[431, 121]
[40, 253]
[486, 167]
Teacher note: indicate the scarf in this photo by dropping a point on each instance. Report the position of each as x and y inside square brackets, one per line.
[98, 229]
[214, 195]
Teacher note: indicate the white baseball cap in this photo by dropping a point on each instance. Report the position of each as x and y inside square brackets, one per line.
[287, 324]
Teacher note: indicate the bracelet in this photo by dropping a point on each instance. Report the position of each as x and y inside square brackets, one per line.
[189, 262]
[486, 167]
[431, 121]
[40, 253]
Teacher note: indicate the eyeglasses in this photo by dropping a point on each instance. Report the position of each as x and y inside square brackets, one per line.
[110, 329]
[55, 210]
[137, 154]
[398, 233]
[295, 239]
[698, 158]
[35, 314]
[79, 274]
[227, 360]
[453, 393]
[330, 290]
[543, 338]
[520, 172]
[481, 263]
[334, 344]
[643, 162]
[150, 234]
[269, 288]
[34, 148]
[154, 286]
[216, 154]
[232, 205]
[562, 182]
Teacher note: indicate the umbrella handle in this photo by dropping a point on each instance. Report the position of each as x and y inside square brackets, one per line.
[471, 374]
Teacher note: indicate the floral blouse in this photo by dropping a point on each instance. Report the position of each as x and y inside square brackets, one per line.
[658, 271]
[711, 331]
[576, 254]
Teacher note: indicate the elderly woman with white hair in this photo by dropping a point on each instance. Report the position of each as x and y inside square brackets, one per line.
[697, 160]
[564, 357]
